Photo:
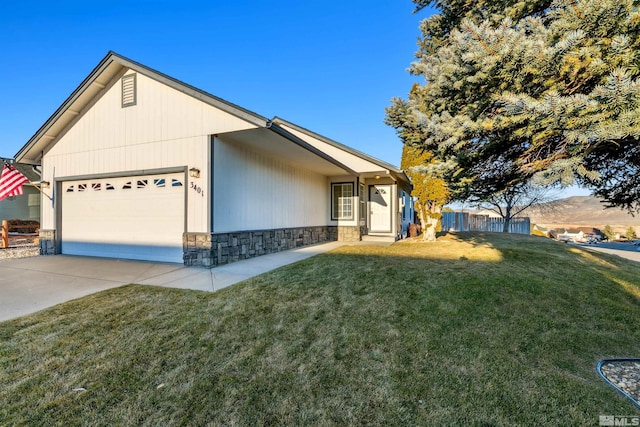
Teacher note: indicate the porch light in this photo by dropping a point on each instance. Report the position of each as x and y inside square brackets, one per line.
[377, 177]
[194, 173]
[45, 184]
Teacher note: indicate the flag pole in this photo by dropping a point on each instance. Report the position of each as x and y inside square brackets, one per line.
[39, 189]
[30, 182]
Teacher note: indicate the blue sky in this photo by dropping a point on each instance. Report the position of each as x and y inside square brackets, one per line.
[330, 66]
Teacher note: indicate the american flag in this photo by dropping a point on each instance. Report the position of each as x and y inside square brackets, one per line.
[11, 182]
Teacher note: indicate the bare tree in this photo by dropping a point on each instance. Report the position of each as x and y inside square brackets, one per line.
[514, 200]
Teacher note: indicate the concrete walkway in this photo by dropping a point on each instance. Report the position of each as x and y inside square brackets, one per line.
[31, 284]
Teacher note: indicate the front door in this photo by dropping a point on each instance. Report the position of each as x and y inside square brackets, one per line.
[380, 209]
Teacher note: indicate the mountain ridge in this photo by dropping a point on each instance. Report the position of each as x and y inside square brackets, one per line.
[581, 211]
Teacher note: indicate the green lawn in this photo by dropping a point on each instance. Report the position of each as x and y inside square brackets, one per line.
[478, 329]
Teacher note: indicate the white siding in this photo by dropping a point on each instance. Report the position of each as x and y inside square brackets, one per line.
[254, 191]
[165, 129]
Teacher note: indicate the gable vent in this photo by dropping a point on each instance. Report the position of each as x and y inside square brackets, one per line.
[129, 90]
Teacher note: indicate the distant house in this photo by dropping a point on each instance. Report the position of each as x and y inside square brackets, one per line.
[591, 232]
[487, 212]
[26, 206]
[144, 166]
[571, 235]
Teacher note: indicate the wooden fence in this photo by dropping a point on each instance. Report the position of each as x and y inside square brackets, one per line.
[464, 221]
[4, 243]
[14, 233]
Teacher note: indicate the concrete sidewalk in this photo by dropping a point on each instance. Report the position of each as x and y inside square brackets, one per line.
[214, 279]
[31, 284]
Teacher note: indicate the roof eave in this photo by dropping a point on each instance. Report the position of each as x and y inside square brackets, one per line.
[291, 137]
[64, 107]
[343, 147]
[403, 179]
[112, 57]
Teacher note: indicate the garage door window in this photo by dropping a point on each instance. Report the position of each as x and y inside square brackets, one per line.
[139, 184]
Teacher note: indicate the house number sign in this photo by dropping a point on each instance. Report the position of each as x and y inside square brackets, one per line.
[197, 188]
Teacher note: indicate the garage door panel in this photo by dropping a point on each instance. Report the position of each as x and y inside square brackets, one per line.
[131, 217]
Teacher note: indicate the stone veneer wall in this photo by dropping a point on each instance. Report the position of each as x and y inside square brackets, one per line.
[47, 242]
[210, 250]
[350, 233]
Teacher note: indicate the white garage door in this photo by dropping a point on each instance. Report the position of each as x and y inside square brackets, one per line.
[139, 217]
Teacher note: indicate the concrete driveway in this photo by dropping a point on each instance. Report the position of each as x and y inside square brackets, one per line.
[31, 284]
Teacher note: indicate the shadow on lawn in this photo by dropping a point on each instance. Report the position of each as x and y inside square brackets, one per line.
[501, 256]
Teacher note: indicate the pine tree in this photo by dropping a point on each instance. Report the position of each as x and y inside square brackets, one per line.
[517, 90]
[451, 13]
[451, 115]
[586, 126]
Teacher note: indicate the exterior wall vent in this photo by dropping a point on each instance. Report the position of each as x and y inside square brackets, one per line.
[129, 90]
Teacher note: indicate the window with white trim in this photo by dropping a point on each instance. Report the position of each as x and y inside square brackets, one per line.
[342, 200]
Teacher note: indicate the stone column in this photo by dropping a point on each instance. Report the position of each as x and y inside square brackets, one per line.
[47, 242]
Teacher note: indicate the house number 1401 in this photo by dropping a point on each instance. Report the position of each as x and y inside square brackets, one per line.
[197, 189]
